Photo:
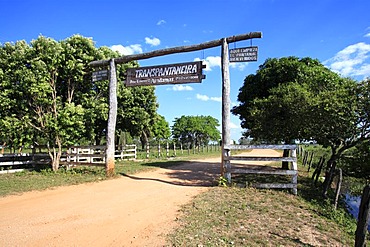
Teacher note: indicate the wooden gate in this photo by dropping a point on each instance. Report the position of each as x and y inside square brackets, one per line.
[248, 169]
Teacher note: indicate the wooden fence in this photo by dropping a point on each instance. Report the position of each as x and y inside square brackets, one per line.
[95, 155]
[167, 150]
[75, 155]
[250, 169]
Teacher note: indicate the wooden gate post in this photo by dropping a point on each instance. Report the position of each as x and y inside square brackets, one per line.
[225, 166]
[112, 117]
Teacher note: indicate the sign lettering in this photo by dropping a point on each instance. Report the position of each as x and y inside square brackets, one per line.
[100, 75]
[246, 54]
[165, 74]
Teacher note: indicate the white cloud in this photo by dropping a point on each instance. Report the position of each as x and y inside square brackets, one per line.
[239, 66]
[153, 41]
[161, 22]
[367, 35]
[180, 88]
[234, 126]
[210, 62]
[127, 50]
[207, 98]
[351, 61]
[215, 61]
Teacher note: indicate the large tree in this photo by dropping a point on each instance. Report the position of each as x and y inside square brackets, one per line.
[47, 95]
[195, 130]
[316, 105]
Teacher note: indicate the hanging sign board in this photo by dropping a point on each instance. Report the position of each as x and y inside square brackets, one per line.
[245, 54]
[165, 74]
[100, 75]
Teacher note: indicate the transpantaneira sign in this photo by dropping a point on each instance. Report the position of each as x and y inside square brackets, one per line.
[165, 74]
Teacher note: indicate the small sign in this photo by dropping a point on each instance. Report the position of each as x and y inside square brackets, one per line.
[100, 75]
[165, 74]
[246, 54]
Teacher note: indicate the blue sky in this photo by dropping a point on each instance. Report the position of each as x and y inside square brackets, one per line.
[336, 32]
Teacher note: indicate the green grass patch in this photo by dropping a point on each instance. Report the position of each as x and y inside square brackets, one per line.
[233, 216]
[250, 217]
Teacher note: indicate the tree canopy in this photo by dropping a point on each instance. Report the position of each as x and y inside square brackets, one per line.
[195, 130]
[300, 99]
[47, 95]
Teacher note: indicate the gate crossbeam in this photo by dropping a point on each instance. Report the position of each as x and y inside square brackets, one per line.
[179, 49]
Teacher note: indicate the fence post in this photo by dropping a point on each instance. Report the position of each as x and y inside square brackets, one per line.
[305, 158]
[226, 165]
[159, 149]
[174, 149]
[147, 150]
[295, 168]
[311, 157]
[167, 150]
[363, 218]
[339, 185]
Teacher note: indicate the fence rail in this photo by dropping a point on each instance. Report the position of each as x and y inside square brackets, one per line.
[248, 169]
[75, 155]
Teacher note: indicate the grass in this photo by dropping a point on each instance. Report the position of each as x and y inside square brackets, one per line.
[232, 216]
[223, 216]
[251, 217]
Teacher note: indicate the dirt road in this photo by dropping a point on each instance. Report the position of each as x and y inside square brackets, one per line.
[133, 210]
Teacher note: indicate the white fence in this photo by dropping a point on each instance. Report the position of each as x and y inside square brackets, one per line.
[75, 155]
[248, 169]
[95, 155]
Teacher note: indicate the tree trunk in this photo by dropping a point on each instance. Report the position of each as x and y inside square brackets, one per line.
[55, 153]
[363, 218]
[144, 140]
[329, 174]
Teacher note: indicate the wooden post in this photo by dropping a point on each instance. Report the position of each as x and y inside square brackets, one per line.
[311, 158]
[147, 150]
[339, 185]
[295, 168]
[112, 117]
[167, 150]
[305, 158]
[226, 139]
[319, 168]
[363, 218]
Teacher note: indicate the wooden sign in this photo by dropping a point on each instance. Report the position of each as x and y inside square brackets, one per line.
[100, 75]
[246, 54]
[165, 74]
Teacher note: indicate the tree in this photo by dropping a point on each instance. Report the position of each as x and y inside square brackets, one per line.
[195, 130]
[161, 129]
[14, 66]
[47, 96]
[317, 105]
[272, 73]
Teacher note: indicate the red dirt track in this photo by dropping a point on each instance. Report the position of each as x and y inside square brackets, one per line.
[137, 210]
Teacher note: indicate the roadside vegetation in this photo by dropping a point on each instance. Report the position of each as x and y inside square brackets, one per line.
[233, 216]
[223, 216]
